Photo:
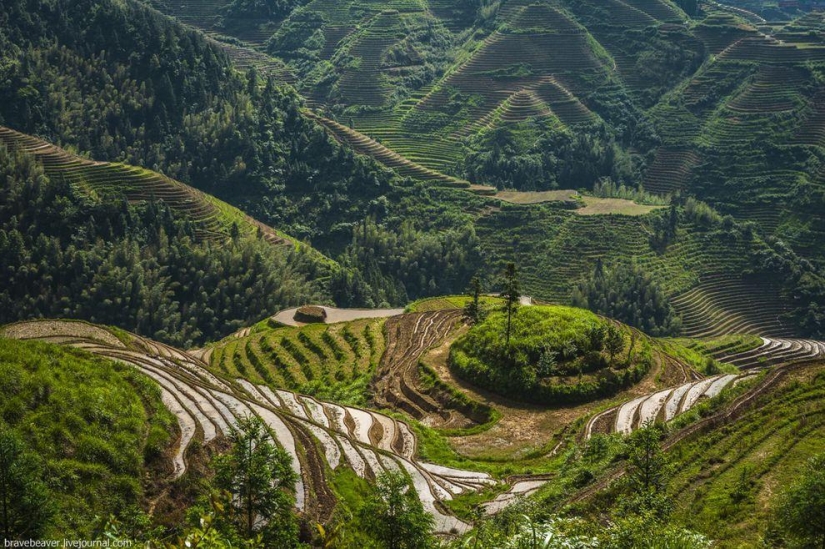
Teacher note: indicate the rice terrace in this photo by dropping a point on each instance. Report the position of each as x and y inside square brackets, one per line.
[413, 274]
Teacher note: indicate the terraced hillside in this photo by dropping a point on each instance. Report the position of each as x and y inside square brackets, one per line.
[319, 436]
[701, 270]
[418, 85]
[398, 384]
[336, 360]
[741, 132]
[213, 219]
[713, 106]
[665, 405]
[726, 479]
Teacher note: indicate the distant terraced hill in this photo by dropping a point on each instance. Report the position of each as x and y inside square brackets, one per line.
[743, 132]
[420, 85]
[703, 271]
[213, 219]
[718, 106]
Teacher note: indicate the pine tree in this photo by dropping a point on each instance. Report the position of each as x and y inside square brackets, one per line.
[511, 294]
[394, 515]
[260, 478]
[472, 311]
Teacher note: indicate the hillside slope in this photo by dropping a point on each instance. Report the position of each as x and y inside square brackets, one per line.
[110, 242]
[319, 436]
[213, 219]
[93, 433]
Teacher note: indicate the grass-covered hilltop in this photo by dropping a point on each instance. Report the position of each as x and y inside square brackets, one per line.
[554, 356]
[413, 274]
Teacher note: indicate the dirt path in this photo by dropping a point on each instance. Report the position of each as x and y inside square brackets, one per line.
[397, 383]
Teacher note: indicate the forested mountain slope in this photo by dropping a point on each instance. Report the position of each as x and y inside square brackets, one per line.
[170, 263]
[561, 93]
[467, 99]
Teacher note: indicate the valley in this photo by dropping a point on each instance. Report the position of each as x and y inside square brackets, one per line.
[412, 274]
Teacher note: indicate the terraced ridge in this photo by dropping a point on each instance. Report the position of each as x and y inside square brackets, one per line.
[661, 406]
[729, 304]
[545, 42]
[757, 408]
[812, 129]
[766, 49]
[667, 404]
[806, 29]
[568, 248]
[774, 351]
[720, 29]
[318, 435]
[406, 168]
[212, 218]
[670, 171]
[772, 90]
[397, 382]
[546, 98]
[310, 359]
[364, 84]
[658, 9]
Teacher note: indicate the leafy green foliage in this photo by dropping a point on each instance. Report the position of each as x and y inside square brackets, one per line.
[801, 508]
[555, 160]
[260, 478]
[628, 294]
[511, 295]
[389, 268]
[555, 355]
[89, 422]
[394, 516]
[473, 309]
[529, 526]
[25, 508]
[139, 267]
[647, 472]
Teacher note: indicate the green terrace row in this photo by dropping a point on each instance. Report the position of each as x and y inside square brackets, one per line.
[295, 358]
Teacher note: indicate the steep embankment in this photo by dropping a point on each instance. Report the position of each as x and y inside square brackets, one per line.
[312, 432]
[92, 434]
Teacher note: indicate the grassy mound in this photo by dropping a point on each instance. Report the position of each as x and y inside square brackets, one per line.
[94, 427]
[556, 355]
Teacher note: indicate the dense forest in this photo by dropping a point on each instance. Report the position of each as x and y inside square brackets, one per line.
[387, 268]
[628, 294]
[121, 82]
[67, 254]
[98, 78]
